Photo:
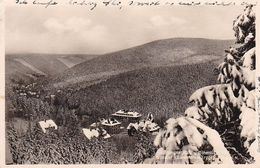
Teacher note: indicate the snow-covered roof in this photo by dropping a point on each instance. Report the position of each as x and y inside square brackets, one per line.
[153, 127]
[91, 133]
[95, 124]
[110, 122]
[124, 113]
[145, 125]
[47, 124]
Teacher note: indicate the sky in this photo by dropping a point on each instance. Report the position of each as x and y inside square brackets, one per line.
[78, 30]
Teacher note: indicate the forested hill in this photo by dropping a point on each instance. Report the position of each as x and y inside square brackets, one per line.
[168, 52]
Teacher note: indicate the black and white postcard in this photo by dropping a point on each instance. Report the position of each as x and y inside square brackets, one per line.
[129, 82]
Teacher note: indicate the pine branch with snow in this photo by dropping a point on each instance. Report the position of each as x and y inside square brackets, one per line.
[223, 117]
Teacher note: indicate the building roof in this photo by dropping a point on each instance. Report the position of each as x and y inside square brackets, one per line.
[125, 113]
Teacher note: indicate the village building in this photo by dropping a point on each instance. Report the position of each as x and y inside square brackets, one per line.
[144, 125]
[111, 125]
[127, 116]
[47, 124]
[98, 132]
